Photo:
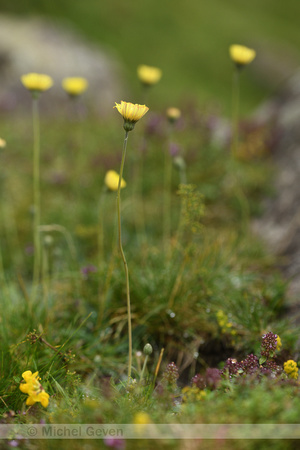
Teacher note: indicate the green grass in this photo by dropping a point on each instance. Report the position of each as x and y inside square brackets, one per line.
[75, 333]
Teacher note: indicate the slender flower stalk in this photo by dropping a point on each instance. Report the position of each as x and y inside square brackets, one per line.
[131, 113]
[123, 256]
[36, 83]
[241, 56]
[173, 114]
[235, 111]
[167, 200]
[36, 194]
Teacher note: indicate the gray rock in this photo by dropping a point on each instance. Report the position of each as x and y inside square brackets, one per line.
[38, 45]
[280, 224]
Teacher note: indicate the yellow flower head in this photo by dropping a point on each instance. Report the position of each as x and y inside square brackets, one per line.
[173, 114]
[34, 389]
[2, 143]
[74, 86]
[37, 82]
[279, 343]
[111, 180]
[131, 113]
[241, 55]
[149, 75]
[141, 418]
[290, 367]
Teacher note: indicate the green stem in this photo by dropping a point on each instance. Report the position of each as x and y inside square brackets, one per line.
[100, 229]
[123, 256]
[36, 195]
[144, 367]
[167, 201]
[235, 111]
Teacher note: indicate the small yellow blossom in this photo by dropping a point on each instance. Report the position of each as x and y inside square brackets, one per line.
[37, 82]
[34, 389]
[173, 114]
[2, 143]
[149, 75]
[279, 343]
[290, 367]
[75, 86]
[192, 394]
[224, 324]
[141, 418]
[241, 55]
[111, 180]
[131, 113]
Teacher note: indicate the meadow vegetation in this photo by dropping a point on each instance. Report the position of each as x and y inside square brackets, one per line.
[211, 341]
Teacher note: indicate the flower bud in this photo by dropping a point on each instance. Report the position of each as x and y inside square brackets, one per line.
[148, 349]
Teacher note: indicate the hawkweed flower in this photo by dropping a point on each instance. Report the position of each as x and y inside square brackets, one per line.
[75, 86]
[2, 143]
[149, 75]
[131, 113]
[111, 180]
[290, 368]
[36, 82]
[173, 114]
[32, 386]
[141, 419]
[241, 55]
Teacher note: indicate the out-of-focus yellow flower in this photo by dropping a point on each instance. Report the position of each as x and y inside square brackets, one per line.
[241, 55]
[192, 394]
[290, 367]
[2, 143]
[279, 343]
[149, 75]
[111, 180]
[173, 114]
[131, 113]
[36, 82]
[140, 420]
[75, 86]
[34, 389]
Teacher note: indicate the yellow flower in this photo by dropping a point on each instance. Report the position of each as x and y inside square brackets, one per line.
[37, 82]
[111, 180]
[279, 343]
[241, 55]
[131, 113]
[34, 389]
[141, 418]
[173, 114]
[192, 394]
[74, 86]
[149, 75]
[290, 367]
[2, 143]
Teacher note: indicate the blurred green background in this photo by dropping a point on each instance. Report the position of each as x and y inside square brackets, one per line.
[189, 40]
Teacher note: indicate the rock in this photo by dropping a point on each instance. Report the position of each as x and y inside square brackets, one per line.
[280, 224]
[38, 45]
